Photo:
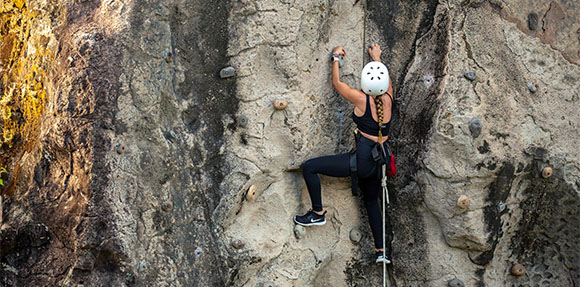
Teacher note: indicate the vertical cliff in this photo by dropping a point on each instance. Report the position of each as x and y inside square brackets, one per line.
[129, 160]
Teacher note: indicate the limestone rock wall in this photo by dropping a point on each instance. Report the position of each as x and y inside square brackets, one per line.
[151, 170]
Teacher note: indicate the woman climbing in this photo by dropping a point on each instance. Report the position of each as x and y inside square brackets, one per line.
[367, 115]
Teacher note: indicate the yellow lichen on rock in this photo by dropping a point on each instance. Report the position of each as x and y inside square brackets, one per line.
[23, 74]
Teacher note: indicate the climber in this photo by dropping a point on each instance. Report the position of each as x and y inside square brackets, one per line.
[372, 139]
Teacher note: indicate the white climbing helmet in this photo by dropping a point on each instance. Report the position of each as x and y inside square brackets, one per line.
[374, 79]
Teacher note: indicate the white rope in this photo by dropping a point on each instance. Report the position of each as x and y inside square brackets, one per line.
[385, 194]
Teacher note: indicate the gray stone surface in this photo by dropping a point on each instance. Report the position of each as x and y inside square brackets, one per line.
[146, 157]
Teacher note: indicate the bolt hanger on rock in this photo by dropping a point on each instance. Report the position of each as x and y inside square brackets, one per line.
[252, 193]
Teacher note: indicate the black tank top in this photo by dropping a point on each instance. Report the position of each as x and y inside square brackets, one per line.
[368, 125]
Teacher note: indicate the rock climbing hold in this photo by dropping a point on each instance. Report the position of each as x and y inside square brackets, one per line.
[170, 136]
[252, 193]
[518, 270]
[167, 205]
[299, 231]
[532, 87]
[470, 75]
[227, 72]
[141, 266]
[169, 57]
[463, 202]
[355, 235]
[500, 206]
[533, 21]
[243, 121]
[198, 252]
[428, 80]
[455, 283]
[280, 104]
[475, 127]
[546, 172]
[120, 148]
[238, 244]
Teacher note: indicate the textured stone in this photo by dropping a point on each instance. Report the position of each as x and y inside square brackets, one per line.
[299, 231]
[470, 75]
[455, 283]
[355, 235]
[533, 21]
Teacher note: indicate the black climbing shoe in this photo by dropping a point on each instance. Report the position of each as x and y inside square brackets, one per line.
[381, 257]
[310, 218]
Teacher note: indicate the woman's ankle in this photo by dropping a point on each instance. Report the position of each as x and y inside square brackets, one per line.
[318, 212]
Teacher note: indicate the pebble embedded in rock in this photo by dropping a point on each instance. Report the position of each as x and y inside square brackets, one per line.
[455, 283]
[280, 104]
[546, 172]
[198, 251]
[475, 127]
[243, 121]
[252, 193]
[238, 244]
[533, 21]
[120, 148]
[227, 72]
[532, 87]
[470, 75]
[518, 270]
[299, 231]
[463, 202]
[355, 235]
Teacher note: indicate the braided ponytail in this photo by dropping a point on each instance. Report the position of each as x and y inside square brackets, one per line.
[379, 104]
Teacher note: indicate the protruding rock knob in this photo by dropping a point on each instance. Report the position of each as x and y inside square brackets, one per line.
[532, 87]
[167, 205]
[463, 202]
[470, 75]
[475, 127]
[518, 270]
[280, 104]
[243, 121]
[227, 72]
[355, 235]
[546, 172]
[252, 193]
[299, 231]
[238, 244]
[455, 283]
[121, 148]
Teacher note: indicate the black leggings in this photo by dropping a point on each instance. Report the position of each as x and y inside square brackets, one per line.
[339, 166]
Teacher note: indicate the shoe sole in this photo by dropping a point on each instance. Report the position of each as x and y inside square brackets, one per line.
[310, 224]
[381, 261]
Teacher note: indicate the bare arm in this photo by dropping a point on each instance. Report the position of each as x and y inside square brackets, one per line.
[375, 53]
[350, 94]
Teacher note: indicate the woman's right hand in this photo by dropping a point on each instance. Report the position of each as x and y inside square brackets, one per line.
[339, 50]
[375, 52]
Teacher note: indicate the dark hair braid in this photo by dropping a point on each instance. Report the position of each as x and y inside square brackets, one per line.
[379, 104]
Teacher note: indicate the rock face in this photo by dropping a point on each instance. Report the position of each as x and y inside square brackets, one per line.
[160, 158]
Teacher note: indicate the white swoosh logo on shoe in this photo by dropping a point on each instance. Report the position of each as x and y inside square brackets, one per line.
[313, 220]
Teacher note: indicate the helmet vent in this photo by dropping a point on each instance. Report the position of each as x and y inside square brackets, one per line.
[371, 68]
[381, 90]
[368, 73]
[379, 78]
[372, 78]
[382, 73]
